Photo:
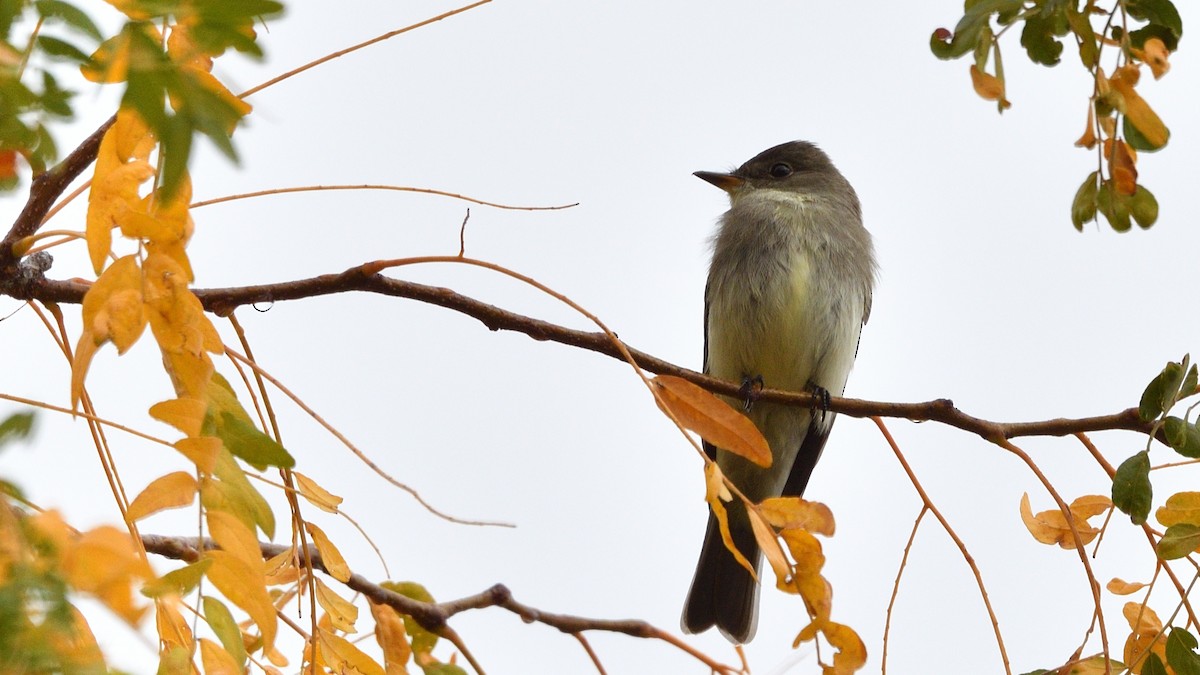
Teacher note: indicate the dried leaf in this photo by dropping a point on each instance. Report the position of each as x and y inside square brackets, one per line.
[1051, 527]
[794, 512]
[216, 660]
[715, 492]
[1121, 587]
[716, 421]
[185, 414]
[245, 587]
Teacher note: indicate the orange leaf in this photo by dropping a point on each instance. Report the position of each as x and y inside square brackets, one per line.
[988, 86]
[341, 612]
[341, 656]
[715, 491]
[851, 653]
[716, 421]
[1088, 139]
[765, 537]
[173, 629]
[793, 512]
[315, 494]
[1122, 587]
[392, 638]
[244, 586]
[1090, 505]
[805, 550]
[1121, 165]
[1155, 54]
[335, 564]
[1051, 527]
[185, 414]
[171, 491]
[1140, 114]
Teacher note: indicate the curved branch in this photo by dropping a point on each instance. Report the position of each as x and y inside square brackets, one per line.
[434, 616]
[358, 279]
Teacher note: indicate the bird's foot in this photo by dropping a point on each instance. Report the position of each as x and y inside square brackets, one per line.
[822, 399]
[751, 387]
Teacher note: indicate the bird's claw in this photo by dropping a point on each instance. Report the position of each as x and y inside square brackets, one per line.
[751, 387]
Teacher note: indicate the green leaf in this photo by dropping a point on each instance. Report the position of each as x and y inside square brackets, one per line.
[221, 620]
[1137, 140]
[244, 440]
[16, 426]
[1190, 381]
[1144, 208]
[70, 15]
[1181, 652]
[1089, 48]
[1178, 541]
[1113, 206]
[1083, 208]
[1137, 38]
[61, 49]
[1038, 38]
[1162, 392]
[1131, 491]
[422, 640]
[1157, 12]
[1183, 436]
[178, 582]
[969, 31]
[1153, 665]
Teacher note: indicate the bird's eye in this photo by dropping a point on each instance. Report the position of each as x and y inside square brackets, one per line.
[780, 170]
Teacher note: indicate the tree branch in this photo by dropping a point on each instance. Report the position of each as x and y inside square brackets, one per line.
[434, 616]
[224, 300]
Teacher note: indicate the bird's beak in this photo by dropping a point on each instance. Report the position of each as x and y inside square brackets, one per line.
[726, 181]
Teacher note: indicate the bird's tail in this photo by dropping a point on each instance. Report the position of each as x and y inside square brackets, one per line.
[723, 593]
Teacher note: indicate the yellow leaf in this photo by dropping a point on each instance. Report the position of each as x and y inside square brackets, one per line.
[716, 421]
[1133, 106]
[1095, 665]
[335, 564]
[392, 638]
[183, 332]
[1051, 527]
[1181, 507]
[234, 537]
[113, 308]
[793, 512]
[216, 660]
[85, 350]
[202, 451]
[245, 587]
[341, 612]
[1122, 587]
[765, 536]
[281, 569]
[1146, 636]
[344, 658]
[165, 492]
[1090, 505]
[185, 414]
[105, 563]
[715, 491]
[315, 494]
[173, 630]
[77, 648]
[121, 166]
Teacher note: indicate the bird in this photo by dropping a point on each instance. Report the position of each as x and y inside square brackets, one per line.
[789, 289]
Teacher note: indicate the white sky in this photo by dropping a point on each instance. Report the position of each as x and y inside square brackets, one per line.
[987, 296]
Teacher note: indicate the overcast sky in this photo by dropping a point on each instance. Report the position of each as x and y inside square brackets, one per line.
[987, 295]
